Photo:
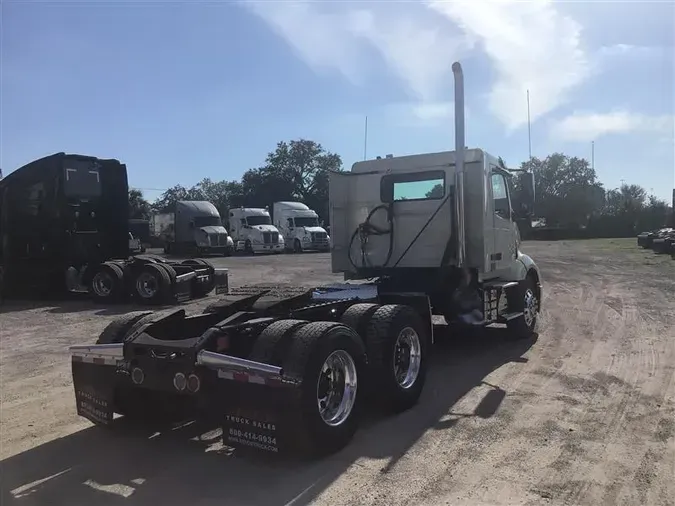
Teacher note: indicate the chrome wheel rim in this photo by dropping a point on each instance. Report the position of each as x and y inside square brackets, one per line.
[102, 284]
[336, 388]
[530, 307]
[146, 285]
[407, 357]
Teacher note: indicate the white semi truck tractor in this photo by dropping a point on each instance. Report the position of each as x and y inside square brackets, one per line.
[252, 231]
[299, 226]
[428, 234]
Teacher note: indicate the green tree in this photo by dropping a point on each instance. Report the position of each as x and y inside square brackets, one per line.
[567, 188]
[296, 170]
[139, 208]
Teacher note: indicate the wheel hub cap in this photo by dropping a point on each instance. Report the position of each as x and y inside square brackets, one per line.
[102, 284]
[530, 307]
[336, 388]
[146, 285]
[407, 357]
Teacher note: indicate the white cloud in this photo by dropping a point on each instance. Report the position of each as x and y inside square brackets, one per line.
[420, 114]
[587, 126]
[531, 45]
[417, 45]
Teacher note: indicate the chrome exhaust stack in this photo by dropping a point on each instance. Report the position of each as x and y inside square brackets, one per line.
[459, 163]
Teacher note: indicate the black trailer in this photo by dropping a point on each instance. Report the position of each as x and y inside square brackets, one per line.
[64, 225]
[277, 374]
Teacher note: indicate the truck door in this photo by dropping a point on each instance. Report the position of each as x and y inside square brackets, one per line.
[504, 246]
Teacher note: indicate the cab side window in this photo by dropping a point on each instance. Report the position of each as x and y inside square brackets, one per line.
[500, 196]
[290, 222]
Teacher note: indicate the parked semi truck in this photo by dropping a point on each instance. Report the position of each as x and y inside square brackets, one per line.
[437, 233]
[253, 232]
[193, 227]
[64, 227]
[299, 226]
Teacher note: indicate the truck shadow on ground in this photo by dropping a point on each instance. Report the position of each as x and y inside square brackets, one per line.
[137, 466]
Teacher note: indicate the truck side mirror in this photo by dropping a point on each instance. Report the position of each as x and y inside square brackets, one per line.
[528, 189]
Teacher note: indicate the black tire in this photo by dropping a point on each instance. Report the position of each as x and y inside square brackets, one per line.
[107, 283]
[118, 329]
[161, 291]
[522, 327]
[248, 248]
[357, 317]
[310, 346]
[384, 328]
[297, 246]
[271, 345]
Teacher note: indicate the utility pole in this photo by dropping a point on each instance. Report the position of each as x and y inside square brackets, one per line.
[593, 155]
[365, 140]
[529, 130]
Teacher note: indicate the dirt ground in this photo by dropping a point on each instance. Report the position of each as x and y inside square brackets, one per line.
[584, 414]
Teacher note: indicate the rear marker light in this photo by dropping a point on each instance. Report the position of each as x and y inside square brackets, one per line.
[179, 381]
[137, 375]
[193, 383]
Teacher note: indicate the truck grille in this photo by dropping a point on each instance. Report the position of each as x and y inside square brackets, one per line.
[319, 237]
[217, 239]
[271, 237]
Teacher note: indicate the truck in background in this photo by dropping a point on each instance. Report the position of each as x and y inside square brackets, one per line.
[64, 227]
[299, 226]
[194, 227]
[253, 232]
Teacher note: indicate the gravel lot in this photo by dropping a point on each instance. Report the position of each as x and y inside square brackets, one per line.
[583, 415]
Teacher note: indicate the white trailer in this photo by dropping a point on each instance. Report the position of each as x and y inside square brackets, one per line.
[299, 226]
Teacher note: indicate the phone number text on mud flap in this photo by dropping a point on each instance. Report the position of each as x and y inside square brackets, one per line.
[252, 436]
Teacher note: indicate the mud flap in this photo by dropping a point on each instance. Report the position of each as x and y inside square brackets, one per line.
[222, 281]
[94, 390]
[257, 417]
[183, 287]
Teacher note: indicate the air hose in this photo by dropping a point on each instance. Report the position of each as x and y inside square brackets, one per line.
[367, 229]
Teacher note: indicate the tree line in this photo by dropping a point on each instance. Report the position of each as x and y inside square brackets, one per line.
[568, 192]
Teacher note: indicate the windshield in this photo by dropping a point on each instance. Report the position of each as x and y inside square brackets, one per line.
[208, 221]
[81, 178]
[258, 220]
[307, 222]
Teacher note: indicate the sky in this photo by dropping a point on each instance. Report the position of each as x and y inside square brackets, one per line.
[183, 90]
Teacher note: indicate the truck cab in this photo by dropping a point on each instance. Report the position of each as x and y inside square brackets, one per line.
[252, 231]
[299, 226]
[194, 227]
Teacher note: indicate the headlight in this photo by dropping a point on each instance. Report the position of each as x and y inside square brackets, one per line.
[281, 239]
[305, 239]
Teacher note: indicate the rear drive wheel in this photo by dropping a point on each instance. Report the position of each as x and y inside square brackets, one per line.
[152, 284]
[107, 283]
[272, 343]
[118, 329]
[397, 353]
[357, 317]
[330, 360]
